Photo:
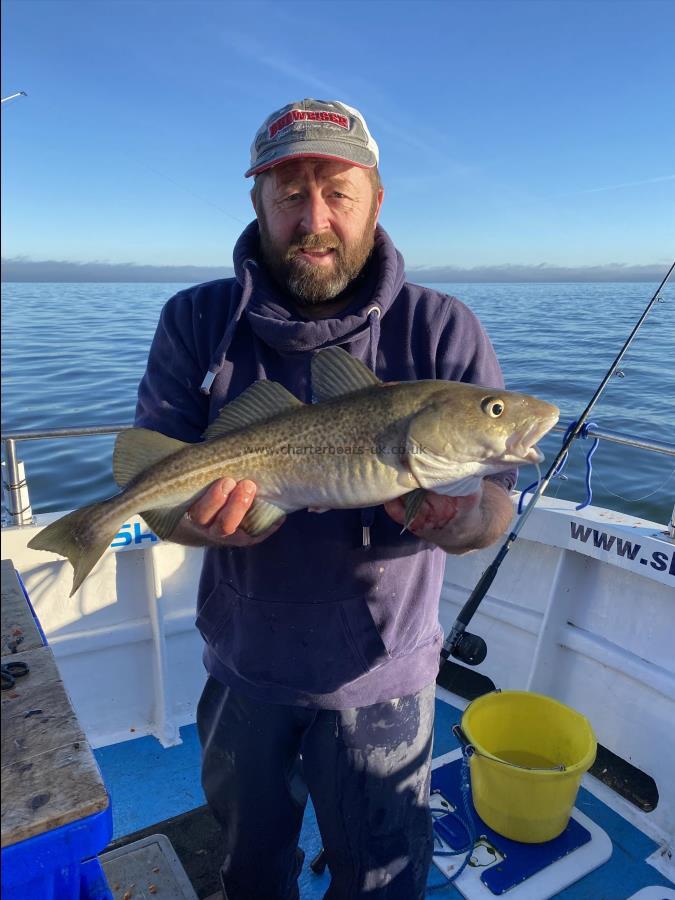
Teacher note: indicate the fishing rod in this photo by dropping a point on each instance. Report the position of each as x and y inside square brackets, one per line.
[471, 648]
[12, 96]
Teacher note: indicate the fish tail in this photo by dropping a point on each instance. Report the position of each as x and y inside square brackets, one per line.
[82, 536]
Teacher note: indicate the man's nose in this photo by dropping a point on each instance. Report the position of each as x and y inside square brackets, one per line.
[315, 214]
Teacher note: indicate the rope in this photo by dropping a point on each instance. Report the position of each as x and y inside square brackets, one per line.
[439, 827]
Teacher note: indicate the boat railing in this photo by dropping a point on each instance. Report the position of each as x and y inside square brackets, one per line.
[17, 499]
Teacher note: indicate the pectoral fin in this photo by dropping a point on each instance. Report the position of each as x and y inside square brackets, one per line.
[163, 521]
[261, 516]
[413, 503]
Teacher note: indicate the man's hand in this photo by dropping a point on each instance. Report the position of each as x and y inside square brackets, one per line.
[459, 524]
[214, 519]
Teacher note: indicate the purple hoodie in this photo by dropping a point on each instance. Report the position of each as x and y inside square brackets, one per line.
[310, 617]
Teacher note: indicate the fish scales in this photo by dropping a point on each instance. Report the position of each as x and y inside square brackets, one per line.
[352, 440]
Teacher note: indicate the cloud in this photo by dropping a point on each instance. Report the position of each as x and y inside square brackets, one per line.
[247, 46]
[21, 269]
[625, 184]
[543, 272]
[27, 270]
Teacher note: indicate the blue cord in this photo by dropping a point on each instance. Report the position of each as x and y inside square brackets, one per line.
[589, 465]
[558, 471]
[466, 823]
[563, 462]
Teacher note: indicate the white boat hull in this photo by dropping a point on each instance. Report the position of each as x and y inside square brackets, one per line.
[570, 615]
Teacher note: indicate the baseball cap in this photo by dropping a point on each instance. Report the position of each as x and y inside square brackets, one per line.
[313, 128]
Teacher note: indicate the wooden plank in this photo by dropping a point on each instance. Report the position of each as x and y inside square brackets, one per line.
[37, 714]
[41, 720]
[17, 625]
[47, 791]
[49, 774]
[43, 669]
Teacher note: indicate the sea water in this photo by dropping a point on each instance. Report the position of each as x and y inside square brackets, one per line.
[73, 354]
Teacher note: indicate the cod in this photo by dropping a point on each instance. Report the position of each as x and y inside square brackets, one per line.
[360, 443]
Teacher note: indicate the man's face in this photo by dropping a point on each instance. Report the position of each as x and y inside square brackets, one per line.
[317, 225]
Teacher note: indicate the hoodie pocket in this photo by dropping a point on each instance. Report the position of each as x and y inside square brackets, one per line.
[313, 647]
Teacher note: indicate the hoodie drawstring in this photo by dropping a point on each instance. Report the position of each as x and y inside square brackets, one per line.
[221, 351]
[373, 314]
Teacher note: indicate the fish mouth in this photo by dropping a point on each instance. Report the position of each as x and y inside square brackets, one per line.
[520, 446]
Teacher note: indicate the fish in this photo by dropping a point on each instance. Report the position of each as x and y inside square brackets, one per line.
[361, 442]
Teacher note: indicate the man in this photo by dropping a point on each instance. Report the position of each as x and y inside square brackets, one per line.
[321, 636]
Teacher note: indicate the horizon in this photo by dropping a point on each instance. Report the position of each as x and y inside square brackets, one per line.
[21, 271]
[519, 133]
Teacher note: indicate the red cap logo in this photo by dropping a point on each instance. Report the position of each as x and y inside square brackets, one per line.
[305, 115]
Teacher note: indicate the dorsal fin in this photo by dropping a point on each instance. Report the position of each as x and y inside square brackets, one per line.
[336, 373]
[138, 449]
[257, 403]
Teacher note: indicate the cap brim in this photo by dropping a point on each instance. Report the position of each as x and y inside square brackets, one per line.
[355, 156]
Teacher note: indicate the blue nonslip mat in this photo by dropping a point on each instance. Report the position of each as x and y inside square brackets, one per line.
[521, 861]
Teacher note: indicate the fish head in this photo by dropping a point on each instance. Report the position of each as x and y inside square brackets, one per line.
[466, 432]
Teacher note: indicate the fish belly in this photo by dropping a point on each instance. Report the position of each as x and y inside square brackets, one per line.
[335, 483]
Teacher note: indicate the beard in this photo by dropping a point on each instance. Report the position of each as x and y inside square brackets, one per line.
[309, 284]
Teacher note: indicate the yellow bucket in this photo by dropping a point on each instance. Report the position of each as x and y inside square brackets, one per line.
[530, 753]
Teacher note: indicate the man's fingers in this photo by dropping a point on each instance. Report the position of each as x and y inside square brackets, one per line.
[468, 502]
[221, 509]
[204, 510]
[238, 504]
[440, 510]
[396, 509]
[437, 510]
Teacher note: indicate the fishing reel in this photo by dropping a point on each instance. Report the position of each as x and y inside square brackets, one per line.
[468, 648]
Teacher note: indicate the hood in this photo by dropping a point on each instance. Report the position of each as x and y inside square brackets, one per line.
[275, 320]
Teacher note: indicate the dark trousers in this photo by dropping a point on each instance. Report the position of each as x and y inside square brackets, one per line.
[367, 771]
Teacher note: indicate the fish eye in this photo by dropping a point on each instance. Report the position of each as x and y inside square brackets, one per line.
[493, 406]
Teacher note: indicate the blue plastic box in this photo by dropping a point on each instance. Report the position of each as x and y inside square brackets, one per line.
[30, 607]
[93, 883]
[60, 864]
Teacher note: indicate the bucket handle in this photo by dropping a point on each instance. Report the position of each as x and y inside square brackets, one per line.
[469, 749]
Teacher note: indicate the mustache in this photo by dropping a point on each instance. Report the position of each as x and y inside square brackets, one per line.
[323, 241]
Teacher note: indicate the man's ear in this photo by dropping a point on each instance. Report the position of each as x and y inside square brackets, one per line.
[380, 198]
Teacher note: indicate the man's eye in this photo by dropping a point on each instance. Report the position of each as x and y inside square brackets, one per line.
[290, 199]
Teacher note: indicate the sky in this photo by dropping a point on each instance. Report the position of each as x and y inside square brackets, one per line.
[522, 134]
